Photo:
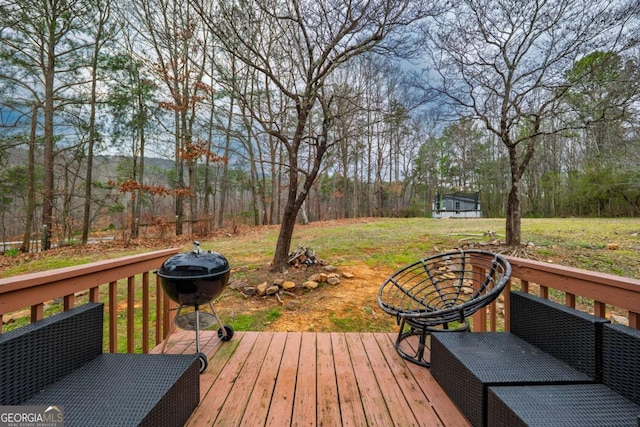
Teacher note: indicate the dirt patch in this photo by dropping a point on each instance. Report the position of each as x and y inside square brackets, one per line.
[353, 303]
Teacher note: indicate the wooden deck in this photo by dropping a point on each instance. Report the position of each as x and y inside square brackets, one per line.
[313, 379]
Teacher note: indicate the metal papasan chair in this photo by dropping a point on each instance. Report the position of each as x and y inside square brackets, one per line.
[439, 293]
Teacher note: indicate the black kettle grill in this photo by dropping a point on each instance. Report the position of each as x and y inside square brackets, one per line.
[192, 279]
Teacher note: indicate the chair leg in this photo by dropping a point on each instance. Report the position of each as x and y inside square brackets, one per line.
[423, 333]
[418, 357]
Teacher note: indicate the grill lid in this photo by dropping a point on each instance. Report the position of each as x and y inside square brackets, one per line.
[194, 265]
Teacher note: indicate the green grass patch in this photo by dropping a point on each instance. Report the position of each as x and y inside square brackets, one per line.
[254, 321]
[355, 323]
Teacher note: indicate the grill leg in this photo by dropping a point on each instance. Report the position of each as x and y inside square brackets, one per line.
[197, 308]
[224, 330]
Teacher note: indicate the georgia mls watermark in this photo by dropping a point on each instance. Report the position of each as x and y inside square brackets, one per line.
[31, 416]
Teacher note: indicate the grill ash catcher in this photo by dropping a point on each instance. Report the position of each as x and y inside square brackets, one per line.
[194, 279]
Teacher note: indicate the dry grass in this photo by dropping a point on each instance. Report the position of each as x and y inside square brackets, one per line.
[371, 249]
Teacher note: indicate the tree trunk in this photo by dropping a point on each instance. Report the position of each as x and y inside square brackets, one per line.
[514, 220]
[47, 202]
[179, 198]
[208, 191]
[89, 177]
[303, 214]
[224, 184]
[31, 194]
[280, 259]
[86, 220]
[140, 192]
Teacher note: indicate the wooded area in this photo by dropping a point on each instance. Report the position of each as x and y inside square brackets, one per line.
[201, 114]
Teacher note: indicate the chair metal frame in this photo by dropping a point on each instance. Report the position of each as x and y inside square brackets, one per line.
[440, 293]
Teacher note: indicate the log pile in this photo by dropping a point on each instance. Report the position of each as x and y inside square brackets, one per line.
[303, 257]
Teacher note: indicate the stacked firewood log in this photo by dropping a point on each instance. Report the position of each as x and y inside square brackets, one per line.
[303, 257]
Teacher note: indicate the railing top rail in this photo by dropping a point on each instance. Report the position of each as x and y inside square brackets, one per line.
[620, 291]
[587, 275]
[34, 288]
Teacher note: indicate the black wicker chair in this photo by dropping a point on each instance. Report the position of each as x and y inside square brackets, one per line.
[613, 402]
[549, 344]
[439, 293]
[59, 361]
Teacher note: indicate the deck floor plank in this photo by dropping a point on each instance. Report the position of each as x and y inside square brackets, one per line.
[393, 395]
[373, 402]
[304, 407]
[177, 343]
[281, 411]
[211, 403]
[328, 407]
[350, 402]
[244, 384]
[396, 389]
[218, 359]
[418, 401]
[312, 379]
[260, 400]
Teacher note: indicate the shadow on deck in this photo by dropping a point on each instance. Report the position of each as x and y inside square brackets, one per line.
[313, 379]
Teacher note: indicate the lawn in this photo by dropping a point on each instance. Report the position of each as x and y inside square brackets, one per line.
[369, 249]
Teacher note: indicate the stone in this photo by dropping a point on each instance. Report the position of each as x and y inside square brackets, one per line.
[329, 268]
[310, 284]
[319, 277]
[278, 282]
[288, 285]
[348, 275]
[612, 246]
[292, 305]
[249, 291]
[237, 284]
[272, 290]
[262, 288]
[614, 318]
[333, 279]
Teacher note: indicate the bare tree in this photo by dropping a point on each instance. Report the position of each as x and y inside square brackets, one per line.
[297, 45]
[101, 33]
[41, 45]
[177, 42]
[503, 63]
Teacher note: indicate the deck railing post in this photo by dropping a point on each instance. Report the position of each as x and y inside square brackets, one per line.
[479, 318]
[159, 316]
[600, 309]
[131, 303]
[145, 312]
[507, 306]
[634, 319]
[37, 312]
[113, 317]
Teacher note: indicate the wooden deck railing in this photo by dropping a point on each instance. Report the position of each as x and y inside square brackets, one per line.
[35, 289]
[596, 293]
